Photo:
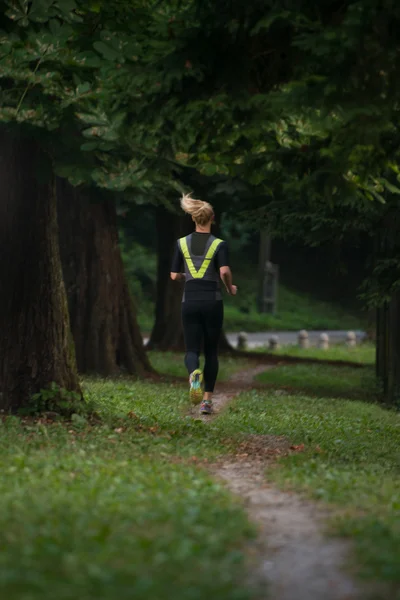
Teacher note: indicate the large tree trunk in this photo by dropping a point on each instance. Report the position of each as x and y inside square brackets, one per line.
[382, 344]
[103, 318]
[388, 349]
[224, 345]
[36, 348]
[167, 332]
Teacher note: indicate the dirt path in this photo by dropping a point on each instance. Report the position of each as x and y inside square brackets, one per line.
[293, 560]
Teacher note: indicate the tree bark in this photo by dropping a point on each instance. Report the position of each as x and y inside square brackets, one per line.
[36, 347]
[388, 349]
[224, 345]
[167, 333]
[103, 318]
[381, 343]
[388, 319]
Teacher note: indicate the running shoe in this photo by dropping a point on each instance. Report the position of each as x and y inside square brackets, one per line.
[206, 408]
[196, 392]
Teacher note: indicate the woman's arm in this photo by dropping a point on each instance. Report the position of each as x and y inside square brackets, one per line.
[226, 276]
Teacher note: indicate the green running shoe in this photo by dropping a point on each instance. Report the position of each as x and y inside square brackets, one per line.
[196, 391]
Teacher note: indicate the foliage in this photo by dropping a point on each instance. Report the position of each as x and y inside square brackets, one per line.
[57, 400]
[59, 64]
[282, 110]
[140, 268]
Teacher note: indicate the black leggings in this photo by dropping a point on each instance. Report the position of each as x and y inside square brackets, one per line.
[203, 323]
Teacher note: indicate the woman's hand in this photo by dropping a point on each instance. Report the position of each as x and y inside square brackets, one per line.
[178, 276]
[233, 290]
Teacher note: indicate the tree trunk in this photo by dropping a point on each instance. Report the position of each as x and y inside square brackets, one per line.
[167, 333]
[264, 257]
[103, 318]
[36, 348]
[224, 345]
[381, 343]
[388, 349]
[388, 323]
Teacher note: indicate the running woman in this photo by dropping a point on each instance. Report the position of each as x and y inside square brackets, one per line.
[201, 260]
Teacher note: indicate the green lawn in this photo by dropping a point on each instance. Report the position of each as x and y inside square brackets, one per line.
[362, 354]
[350, 460]
[324, 380]
[118, 507]
[108, 512]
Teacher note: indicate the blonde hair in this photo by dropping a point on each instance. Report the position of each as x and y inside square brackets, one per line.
[201, 212]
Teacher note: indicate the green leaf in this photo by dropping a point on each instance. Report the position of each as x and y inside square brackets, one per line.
[89, 146]
[83, 88]
[268, 21]
[55, 27]
[390, 187]
[40, 10]
[106, 51]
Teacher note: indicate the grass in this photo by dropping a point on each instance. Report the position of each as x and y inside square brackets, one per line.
[350, 460]
[362, 354]
[323, 380]
[119, 508]
[108, 511]
[172, 363]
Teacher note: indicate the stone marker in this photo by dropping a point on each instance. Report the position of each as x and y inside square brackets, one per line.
[351, 339]
[273, 342]
[303, 339]
[324, 341]
[242, 341]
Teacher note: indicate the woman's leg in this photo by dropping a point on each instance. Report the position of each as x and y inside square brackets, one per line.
[192, 331]
[213, 317]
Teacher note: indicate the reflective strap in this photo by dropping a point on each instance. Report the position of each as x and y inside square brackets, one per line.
[186, 256]
[207, 259]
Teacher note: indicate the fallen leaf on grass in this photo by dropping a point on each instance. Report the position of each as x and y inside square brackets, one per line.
[299, 448]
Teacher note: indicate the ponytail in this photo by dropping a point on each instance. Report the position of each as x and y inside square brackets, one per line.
[201, 212]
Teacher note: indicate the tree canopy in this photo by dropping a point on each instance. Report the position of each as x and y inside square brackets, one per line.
[291, 105]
